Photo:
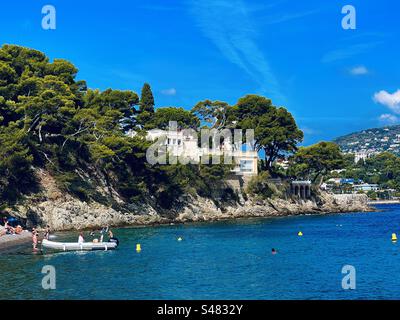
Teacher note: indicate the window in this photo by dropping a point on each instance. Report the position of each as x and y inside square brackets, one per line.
[246, 166]
[179, 142]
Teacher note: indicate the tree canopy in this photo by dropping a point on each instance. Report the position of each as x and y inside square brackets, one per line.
[51, 120]
[317, 160]
[212, 113]
[162, 116]
[275, 130]
[146, 99]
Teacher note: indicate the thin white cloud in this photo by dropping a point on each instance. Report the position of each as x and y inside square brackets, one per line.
[289, 16]
[227, 24]
[388, 118]
[349, 51]
[169, 92]
[309, 131]
[390, 100]
[253, 7]
[359, 71]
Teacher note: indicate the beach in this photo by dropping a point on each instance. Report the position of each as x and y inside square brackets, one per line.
[11, 241]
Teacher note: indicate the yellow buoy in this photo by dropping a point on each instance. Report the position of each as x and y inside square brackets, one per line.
[394, 237]
[138, 247]
[300, 234]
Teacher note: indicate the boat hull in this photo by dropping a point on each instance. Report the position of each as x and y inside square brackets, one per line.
[75, 246]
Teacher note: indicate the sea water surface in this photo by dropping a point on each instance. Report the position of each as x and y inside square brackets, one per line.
[224, 260]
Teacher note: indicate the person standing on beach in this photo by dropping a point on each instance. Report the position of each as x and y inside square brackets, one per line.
[34, 239]
[47, 233]
[80, 238]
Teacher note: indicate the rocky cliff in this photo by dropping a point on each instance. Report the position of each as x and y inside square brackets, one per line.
[61, 211]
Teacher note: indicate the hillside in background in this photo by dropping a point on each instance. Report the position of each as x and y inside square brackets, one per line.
[372, 140]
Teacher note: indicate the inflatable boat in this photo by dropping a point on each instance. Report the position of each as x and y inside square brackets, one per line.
[75, 246]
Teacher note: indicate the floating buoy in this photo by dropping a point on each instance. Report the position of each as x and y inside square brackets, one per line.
[180, 239]
[394, 237]
[300, 234]
[138, 247]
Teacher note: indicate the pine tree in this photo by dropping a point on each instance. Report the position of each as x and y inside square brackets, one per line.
[146, 99]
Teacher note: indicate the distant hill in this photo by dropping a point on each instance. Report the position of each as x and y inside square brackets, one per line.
[371, 140]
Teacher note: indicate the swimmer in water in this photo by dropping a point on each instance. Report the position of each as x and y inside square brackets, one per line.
[273, 251]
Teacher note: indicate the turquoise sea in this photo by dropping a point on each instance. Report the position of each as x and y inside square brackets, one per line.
[224, 260]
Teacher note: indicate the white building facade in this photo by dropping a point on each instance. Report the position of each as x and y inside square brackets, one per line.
[185, 143]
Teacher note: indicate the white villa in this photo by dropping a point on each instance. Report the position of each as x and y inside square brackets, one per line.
[362, 155]
[185, 143]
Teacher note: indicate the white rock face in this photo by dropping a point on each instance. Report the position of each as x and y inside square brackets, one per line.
[63, 212]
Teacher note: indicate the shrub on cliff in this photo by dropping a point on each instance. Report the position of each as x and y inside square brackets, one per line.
[260, 187]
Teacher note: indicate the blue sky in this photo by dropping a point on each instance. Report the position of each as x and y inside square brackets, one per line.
[334, 81]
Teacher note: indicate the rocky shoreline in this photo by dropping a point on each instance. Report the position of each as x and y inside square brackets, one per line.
[72, 214]
[63, 212]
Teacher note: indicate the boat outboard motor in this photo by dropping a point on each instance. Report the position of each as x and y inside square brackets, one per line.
[114, 240]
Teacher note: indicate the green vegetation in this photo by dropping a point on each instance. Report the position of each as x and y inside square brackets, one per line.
[162, 116]
[147, 99]
[276, 132]
[382, 169]
[262, 188]
[146, 106]
[50, 120]
[316, 161]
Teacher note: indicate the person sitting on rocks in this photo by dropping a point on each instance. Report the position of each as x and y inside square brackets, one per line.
[3, 230]
[18, 230]
[8, 229]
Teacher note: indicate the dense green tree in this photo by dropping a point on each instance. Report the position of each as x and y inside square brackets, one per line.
[275, 130]
[212, 113]
[315, 161]
[16, 175]
[162, 117]
[146, 99]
